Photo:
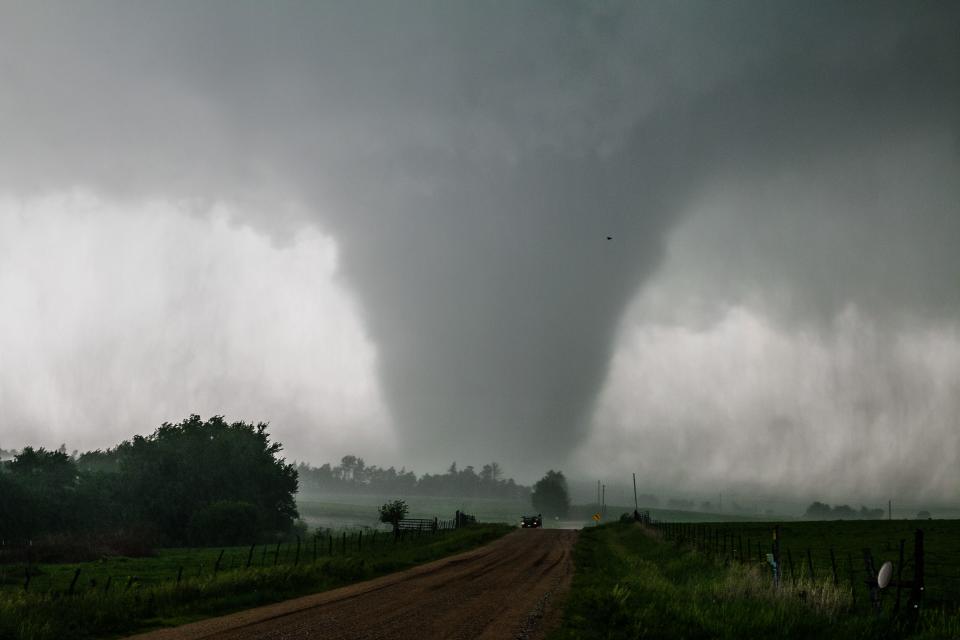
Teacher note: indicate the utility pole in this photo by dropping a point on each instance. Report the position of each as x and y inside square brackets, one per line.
[603, 502]
[636, 506]
[598, 495]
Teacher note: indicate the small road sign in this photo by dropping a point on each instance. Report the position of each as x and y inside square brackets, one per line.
[596, 517]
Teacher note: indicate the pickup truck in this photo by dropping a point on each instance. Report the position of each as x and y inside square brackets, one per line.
[531, 522]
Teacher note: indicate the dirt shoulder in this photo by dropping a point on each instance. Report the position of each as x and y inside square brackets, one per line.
[510, 588]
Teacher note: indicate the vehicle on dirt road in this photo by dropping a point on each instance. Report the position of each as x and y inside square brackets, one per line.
[531, 522]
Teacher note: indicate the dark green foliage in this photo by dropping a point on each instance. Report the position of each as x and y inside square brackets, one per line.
[393, 512]
[98, 460]
[18, 512]
[203, 482]
[822, 511]
[180, 469]
[226, 522]
[40, 491]
[550, 495]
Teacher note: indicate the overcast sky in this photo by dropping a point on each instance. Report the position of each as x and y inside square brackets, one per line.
[383, 227]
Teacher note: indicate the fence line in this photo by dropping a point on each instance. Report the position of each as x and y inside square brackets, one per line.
[919, 579]
[320, 546]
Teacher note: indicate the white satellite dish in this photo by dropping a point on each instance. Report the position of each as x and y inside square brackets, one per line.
[885, 574]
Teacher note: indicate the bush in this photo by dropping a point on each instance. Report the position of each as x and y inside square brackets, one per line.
[393, 512]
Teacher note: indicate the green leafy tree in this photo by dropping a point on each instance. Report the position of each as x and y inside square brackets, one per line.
[179, 470]
[226, 522]
[393, 512]
[550, 495]
[48, 482]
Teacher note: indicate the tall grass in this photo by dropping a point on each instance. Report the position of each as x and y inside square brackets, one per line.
[629, 584]
[135, 606]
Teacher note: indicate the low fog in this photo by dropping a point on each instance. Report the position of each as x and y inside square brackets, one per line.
[712, 244]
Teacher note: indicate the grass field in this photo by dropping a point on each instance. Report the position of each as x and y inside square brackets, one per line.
[632, 584]
[124, 595]
[847, 539]
[583, 512]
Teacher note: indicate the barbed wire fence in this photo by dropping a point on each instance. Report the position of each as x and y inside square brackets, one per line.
[29, 576]
[917, 578]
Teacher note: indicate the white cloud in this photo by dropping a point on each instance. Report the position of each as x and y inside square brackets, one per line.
[742, 403]
[117, 316]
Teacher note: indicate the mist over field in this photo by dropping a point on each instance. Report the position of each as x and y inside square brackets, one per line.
[712, 244]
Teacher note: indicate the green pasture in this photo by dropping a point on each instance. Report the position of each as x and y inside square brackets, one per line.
[584, 513]
[847, 539]
[117, 596]
[631, 583]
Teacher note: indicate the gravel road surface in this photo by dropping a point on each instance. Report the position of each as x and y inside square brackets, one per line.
[507, 589]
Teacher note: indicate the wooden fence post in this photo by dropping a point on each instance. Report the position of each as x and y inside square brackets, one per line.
[853, 582]
[833, 565]
[276, 555]
[871, 579]
[777, 568]
[216, 566]
[810, 564]
[179, 577]
[73, 583]
[296, 559]
[250, 555]
[896, 606]
[917, 586]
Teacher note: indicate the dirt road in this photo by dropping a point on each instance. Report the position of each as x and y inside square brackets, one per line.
[507, 589]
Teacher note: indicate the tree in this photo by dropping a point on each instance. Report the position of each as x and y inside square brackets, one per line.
[181, 469]
[225, 523]
[550, 494]
[393, 512]
[48, 481]
[818, 511]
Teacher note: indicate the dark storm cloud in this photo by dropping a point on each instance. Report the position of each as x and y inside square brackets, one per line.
[471, 159]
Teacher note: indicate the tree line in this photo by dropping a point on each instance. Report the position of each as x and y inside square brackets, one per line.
[353, 476]
[196, 482]
[823, 511]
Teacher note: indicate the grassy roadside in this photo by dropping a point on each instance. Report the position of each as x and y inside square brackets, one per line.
[94, 614]
[629, 584]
